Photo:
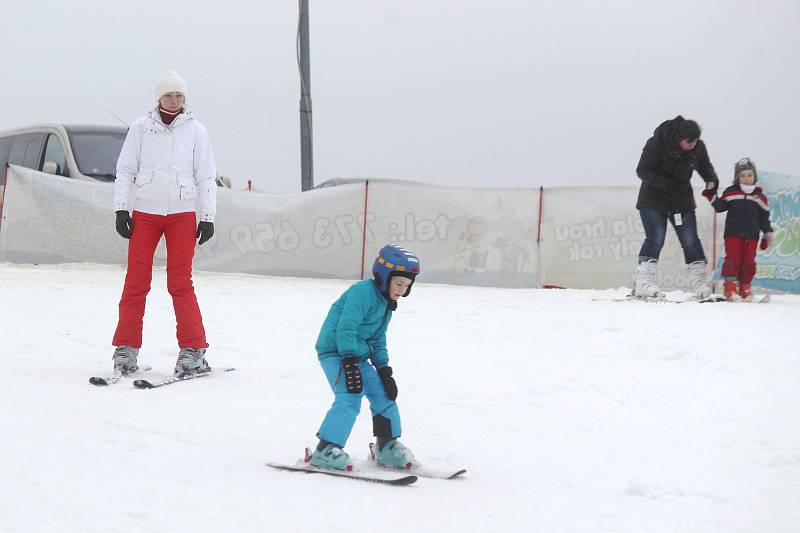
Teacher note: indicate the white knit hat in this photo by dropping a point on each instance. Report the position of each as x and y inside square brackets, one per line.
[170, 81]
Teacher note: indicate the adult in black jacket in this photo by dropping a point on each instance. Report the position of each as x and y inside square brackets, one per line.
[669, 158]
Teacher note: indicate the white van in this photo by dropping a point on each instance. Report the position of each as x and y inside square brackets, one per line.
[78, 152]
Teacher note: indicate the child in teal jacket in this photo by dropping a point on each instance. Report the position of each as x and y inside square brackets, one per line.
[352, 351]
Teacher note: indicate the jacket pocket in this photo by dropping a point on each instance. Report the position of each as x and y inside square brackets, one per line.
[145, 183]
[187, 188]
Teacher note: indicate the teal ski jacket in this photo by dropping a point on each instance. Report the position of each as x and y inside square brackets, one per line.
[356, 325]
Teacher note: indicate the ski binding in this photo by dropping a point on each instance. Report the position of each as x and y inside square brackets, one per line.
[110, 380]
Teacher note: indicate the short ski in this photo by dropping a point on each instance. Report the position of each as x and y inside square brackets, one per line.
[384, 478]
[145, 384]
[110, 380]
[419, 470]
[376, 477]
[756, 300]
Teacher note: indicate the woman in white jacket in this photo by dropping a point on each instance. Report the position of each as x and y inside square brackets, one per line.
[166, 163]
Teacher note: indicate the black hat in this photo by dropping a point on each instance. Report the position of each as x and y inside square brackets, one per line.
[688, 129]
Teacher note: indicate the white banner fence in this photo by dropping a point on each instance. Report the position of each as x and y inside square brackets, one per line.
[576, 237]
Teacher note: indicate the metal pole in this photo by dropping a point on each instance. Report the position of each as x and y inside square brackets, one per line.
[306, 131]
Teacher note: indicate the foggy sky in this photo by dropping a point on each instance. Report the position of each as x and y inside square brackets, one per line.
[478, 93]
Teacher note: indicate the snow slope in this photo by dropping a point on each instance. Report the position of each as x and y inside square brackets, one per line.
[571, 412]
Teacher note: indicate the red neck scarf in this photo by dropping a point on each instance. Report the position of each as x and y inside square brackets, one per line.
[168, 116]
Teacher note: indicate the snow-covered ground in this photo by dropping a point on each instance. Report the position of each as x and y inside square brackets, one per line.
[572, 413]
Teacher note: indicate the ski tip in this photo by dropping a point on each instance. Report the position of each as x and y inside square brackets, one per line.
[142, 384]
[97, 381]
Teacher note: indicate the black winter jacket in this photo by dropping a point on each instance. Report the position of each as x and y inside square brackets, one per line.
[748, 214]
[665, 171]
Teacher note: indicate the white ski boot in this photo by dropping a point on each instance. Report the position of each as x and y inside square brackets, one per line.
[124, 359]
[698, 279]
[646, 286]
[191, 361]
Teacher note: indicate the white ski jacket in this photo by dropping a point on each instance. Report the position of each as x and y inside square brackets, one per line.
[167, 167]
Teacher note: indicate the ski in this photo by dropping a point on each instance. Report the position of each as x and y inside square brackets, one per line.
[756, 300]
[710, 299]
[110, 380]
[145, 384]
[361, 476]
[419, 470]
[384, 478]
[665, 300]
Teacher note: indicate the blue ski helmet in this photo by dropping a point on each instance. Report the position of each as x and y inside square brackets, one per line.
[393, 260]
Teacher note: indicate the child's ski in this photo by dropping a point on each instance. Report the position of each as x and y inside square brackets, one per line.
[303, 465]
[376, 477]
[419, 470]
[110, 380]
[145, 384]
[755, 300]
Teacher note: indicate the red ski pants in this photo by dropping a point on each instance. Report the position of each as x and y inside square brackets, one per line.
[740, 258]
[179, 230]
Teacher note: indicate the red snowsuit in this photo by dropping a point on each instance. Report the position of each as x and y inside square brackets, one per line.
[748, 216]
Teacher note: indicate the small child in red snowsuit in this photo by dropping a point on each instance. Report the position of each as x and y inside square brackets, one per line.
[747, 218]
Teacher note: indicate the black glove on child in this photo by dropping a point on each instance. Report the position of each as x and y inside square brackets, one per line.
[389, 384]
[205, 230]
[124, 224]
[352, 375]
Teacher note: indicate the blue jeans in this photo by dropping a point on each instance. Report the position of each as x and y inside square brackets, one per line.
[342, 415]
[655, 231]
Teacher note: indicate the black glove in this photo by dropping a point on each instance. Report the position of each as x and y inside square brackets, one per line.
[352, 375]
[205, 230]
[389, 384]
[124, 224]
